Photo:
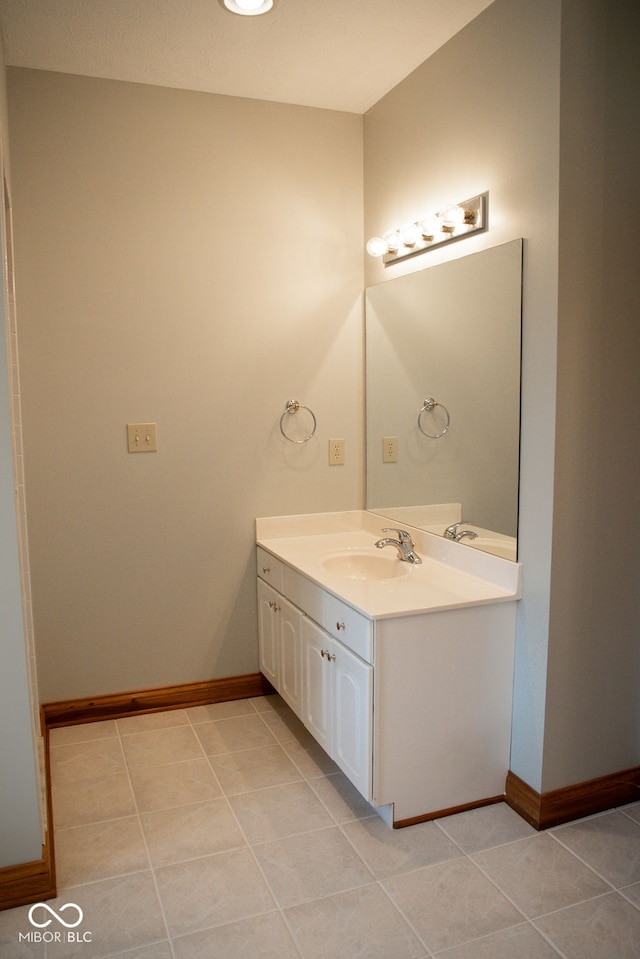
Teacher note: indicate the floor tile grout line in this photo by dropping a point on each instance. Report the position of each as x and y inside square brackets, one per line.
[583, 861]
[154, 878]
[249, 846]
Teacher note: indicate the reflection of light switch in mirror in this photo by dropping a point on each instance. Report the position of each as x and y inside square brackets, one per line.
[389, 449]
[142, 437]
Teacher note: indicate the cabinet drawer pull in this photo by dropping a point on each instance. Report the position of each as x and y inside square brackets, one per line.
[330, 656]
[274, 606]
[340, 626]
[266, 569]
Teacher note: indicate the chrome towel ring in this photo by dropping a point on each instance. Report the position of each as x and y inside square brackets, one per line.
[291, 407]
[428, 407]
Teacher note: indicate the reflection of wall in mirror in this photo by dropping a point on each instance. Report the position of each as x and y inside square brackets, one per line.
[452, 332]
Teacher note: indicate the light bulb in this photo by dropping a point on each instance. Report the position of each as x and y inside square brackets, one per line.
[376, 246]
[392, 240]
[452, 217]
[431, 226]
[410, 234]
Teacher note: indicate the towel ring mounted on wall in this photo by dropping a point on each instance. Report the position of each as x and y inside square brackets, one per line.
[428, 407]
[291, 407]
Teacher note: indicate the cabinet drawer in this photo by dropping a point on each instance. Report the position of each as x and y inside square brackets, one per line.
[269, 568]
[350, 627]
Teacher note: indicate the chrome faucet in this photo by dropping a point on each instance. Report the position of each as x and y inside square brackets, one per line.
[404, 545]
[452, 532]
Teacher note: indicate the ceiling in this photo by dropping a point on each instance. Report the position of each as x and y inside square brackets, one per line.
[334, 54]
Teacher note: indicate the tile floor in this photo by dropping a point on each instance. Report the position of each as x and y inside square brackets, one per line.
[224, 831]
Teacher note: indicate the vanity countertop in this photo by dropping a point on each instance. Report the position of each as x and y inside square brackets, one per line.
[450, 575]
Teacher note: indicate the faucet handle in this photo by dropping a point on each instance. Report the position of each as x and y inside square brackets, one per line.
[403, 536]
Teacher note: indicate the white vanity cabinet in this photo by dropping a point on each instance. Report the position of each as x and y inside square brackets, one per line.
[414, 707]
[337, 703]
[280, 644]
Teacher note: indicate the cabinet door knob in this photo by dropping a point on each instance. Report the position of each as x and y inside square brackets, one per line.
[340, 626]
[274, 606]
[330, 656]
[266, 569]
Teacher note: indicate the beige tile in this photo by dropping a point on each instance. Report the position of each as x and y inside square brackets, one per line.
[388, 852]
[341, 797]
[157, 746]
[14, 922]
[82, 732]
[603, 928]
[451, 903]
[632, 810]
[159, 950]
[146, 721]
[539, 875]
[189, 832]
[99, 851]
[609, 843]
[211, 711]
[311, 865]
[119, 914]
[518, 942]
[284, 725]
[174, 784]
[485, 827]
[632, 893]
[81, 762]
[231, 735]
[267, 703]
[253, 769]
[309, 757]
[279, 811]
[261, 937]
[77, 803]
[359, 924]
[208, 892]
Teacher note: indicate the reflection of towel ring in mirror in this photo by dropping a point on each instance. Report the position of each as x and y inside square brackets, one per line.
[292, 407]
[428, 407]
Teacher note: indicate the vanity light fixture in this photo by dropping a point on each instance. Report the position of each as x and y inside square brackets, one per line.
[454, 222]
[247, 8]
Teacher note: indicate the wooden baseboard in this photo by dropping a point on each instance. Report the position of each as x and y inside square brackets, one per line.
[29, 881]
[543, 810]
[450, 811]
[69, 712]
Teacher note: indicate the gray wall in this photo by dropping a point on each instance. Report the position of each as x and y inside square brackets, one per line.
[20, 826]
[483, 114]
[549, 127]
[191, 260]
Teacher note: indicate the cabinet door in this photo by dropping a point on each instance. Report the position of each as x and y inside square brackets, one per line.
[352, 716]
[268, 604]
[290, 687]
[317, 696]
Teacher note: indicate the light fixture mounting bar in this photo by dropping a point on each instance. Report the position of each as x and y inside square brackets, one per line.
[476, 220]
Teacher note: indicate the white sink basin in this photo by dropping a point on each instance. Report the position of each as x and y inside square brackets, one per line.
[365, 564]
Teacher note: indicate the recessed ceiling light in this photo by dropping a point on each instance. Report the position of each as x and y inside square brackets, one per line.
[247, 8]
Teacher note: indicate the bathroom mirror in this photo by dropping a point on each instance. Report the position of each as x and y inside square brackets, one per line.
[450, 333]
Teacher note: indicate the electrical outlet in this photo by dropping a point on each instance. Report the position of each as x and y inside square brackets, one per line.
[389, 449]
[336, 452]
[142, 437]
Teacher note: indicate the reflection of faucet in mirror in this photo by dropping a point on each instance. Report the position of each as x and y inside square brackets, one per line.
[452, 329]
[451, 532]
[404, 545]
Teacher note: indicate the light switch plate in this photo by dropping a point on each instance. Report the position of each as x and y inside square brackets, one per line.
[142, 437]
